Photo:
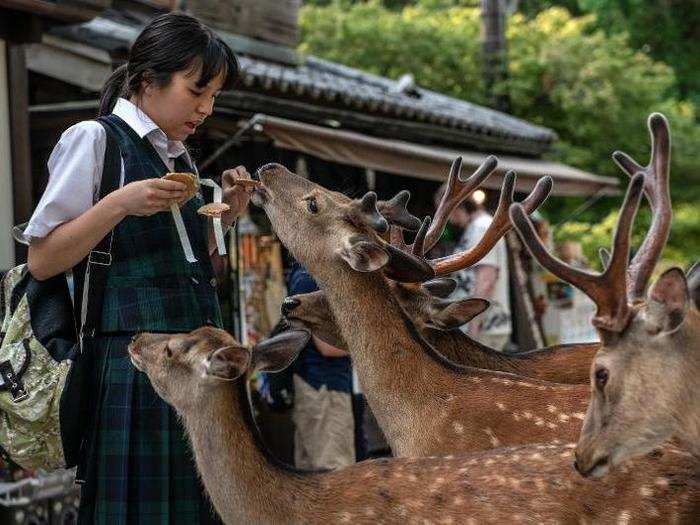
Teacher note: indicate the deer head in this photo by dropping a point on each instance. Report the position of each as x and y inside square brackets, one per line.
[425, 303]
[312, 312]
[643, 382]
[642, 386]
[345, 231]
[185, 368]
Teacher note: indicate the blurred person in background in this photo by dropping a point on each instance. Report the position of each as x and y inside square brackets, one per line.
[488, 278]
[324, 435]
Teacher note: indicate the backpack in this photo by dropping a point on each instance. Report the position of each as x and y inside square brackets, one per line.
[45, 372]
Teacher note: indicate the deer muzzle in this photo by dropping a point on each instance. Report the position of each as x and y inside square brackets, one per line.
[289, 304]
[590, 465]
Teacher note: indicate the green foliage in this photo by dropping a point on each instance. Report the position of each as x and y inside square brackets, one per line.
[596, 92]
[683, 247]
[441, 48]
[593, 88]
[666, 29]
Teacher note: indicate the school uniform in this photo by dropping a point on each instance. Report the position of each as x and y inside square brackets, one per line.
[139, 468]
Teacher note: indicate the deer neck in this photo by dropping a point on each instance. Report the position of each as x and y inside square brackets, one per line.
[243, 484]
[391, 363]
[460, 348]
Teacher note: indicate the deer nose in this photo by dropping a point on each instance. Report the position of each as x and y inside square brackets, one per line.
[289, 304]
[576, 467]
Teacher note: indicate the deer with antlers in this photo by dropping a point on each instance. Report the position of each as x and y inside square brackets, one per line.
[438, 321]
[424, 403]
[644, 378]
[203, 375]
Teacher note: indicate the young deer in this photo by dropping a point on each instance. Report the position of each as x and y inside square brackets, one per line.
[425, 404]
[203, 375]
[645, 378]
[438, 320]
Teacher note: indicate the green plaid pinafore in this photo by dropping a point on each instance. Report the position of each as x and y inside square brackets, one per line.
[139, 469]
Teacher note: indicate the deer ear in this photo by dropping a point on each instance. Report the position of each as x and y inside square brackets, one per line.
[227, 363]
[278, 352]
[693, 278]
[363, 255]
[667, 303]
[406, 268]
[457, 313]
[440, 287]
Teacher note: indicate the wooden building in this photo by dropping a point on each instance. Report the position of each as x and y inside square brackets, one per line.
[346, 128]
[22, 22]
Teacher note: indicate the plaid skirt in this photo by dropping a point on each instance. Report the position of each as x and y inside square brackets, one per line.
[140, 468]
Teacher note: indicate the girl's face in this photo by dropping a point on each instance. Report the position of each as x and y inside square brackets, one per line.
[179, 107]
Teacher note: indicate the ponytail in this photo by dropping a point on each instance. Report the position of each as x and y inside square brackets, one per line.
[115, 87]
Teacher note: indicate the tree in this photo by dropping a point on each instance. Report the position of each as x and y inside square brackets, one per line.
[440, 47]
[682, 248]
[592, 88]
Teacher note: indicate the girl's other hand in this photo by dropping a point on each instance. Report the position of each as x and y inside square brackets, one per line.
[148, 197]
[236, 196]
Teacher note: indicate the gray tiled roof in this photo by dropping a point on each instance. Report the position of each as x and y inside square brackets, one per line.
[327, 84]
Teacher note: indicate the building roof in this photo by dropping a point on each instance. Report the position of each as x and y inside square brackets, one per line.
[346, 94]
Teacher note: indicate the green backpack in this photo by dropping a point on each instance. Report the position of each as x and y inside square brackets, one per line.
[45, 359]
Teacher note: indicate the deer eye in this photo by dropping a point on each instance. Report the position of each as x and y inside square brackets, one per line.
[312, 205]
[601, 378]
[168, 351]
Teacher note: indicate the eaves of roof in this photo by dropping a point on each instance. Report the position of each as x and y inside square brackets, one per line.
[336, 87]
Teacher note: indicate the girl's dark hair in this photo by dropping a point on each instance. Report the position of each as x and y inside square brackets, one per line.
[170, 43]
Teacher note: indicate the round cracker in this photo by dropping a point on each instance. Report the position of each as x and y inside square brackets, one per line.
[214, 209]
[189, 180]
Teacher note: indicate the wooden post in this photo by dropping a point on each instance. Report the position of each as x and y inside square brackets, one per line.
[7, 252]
[22, 184]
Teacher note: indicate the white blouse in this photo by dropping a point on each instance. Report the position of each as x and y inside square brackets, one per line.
[75, 167]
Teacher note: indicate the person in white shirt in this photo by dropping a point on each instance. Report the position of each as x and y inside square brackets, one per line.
[488, 279]
[138, 466]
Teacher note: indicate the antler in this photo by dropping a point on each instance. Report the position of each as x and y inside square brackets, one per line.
[656, 189]
[396, 213]
[607, 289]
[457, 190]
[497, 229]
[366, 210]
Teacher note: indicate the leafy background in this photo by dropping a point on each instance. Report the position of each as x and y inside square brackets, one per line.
[592, 70]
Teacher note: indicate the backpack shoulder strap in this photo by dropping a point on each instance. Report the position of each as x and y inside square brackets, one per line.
[111, 173]
[100, 258]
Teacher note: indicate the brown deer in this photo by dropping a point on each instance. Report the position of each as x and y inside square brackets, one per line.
[425, 404]
[644, 379]
[203, 375]
[438, 320]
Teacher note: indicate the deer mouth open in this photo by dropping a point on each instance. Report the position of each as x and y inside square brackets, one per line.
[259, 197]
[260, 193]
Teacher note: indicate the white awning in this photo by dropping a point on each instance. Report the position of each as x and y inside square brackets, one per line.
[425, 162]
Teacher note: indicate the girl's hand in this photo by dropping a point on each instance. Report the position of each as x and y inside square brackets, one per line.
[148, 197]
[237, 197]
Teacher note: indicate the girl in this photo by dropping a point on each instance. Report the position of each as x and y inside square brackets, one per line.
[139, 469]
